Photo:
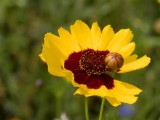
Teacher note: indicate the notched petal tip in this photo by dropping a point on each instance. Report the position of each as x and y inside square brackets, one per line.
[79, 22]
[42, 57]
[136, 64]
[95, 24]
[49, 38]
[82, 34]
[126, 31]
[106, 35]
[60, 29]
[48, 34]
[146, 60]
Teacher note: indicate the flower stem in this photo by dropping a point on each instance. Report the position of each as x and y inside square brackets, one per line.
[101, 109]
[58, 107]
[115, 113]
[86, 108]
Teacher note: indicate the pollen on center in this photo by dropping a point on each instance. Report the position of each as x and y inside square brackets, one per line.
[93, 62]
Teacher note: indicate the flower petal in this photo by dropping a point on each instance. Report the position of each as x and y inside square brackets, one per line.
[67, 40]
[127, 50]
[126, 88]
[121, 38]
[130, 58]
[68, 75]
[95, 33]
[81, 32]
[113, 101]
[122, 92]
[42, 57]
[54, 58]
[137, 64]
[51, 40]
[125, 92]
[83, 90]
[106, 36]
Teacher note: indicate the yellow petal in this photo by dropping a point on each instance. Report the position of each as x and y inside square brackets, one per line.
[90, 92]
[52, 40]
[101, 92]
[95, 33]
[54, 59]
[106, 36]
[55, 63]
[122, 92]
[81, 32]
[113, 101]
[125, 92]
[137, 64]
[42, 57]
[130, 58]
[52, 55]
[68, 75]
[121, 38]
[127, 50]
[126, 88]
[67, 41]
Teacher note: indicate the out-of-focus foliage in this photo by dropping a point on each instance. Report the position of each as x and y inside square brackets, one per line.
[29, 92]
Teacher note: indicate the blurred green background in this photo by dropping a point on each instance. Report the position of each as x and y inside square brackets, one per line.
[29, 92]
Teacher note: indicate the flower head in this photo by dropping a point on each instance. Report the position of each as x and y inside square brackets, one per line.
[85, 57]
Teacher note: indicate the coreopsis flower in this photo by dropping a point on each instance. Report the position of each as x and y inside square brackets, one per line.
[87, 57]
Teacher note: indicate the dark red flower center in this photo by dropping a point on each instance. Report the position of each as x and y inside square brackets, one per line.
[89, 68]
[93, 62]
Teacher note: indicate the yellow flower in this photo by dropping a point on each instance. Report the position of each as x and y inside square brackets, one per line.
[80, 57]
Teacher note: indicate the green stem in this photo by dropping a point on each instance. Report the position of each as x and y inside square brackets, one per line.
[86, 108]
[58, 107]
[115, 113]
[101, 109]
